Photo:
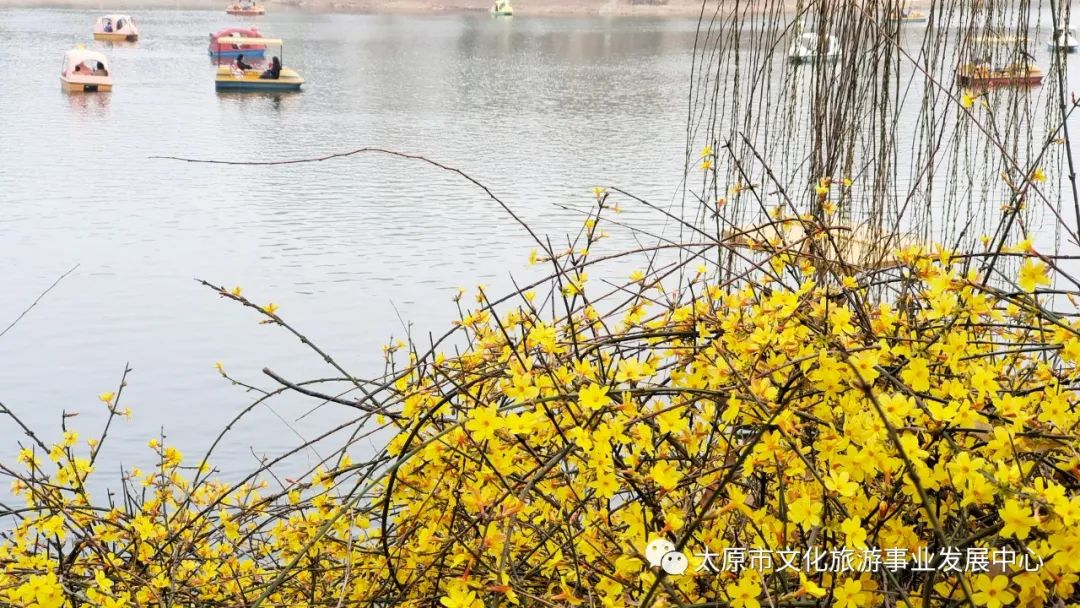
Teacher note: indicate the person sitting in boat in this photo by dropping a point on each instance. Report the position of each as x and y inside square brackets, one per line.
[100, 70]
[274, 72]
[119, 24]
[108, 25]
[240, 65]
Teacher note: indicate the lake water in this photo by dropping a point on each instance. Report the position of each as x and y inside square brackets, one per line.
[540, 110]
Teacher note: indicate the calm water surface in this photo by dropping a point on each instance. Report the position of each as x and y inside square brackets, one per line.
[539, 110]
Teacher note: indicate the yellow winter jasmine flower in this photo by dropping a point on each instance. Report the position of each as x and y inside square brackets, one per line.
[40, 591]
[542, 336]
[103, 582]
[805, 511]
[896, 406]
[1071, 350]
[1018, 519]
[1024, 246]
[744, 593]
[70, 439]
[840, 483]
[143, 527]
[593, 397]
[865, 363]
[606, 484]
[992, 592]
[172, 457]
[1032, 275]
[967, 100]
[270, 308]
[632, 370]
[53, 526]
[26, 456]
[521, 388]
[828, 375]
[484, 422]
[460, 596]
[849, 594]
[809, 587]
[107, 398]
[854, 533]
[916, 375]
[665, 474]
[1038, 175]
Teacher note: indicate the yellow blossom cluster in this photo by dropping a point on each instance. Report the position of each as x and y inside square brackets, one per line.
[787, 405]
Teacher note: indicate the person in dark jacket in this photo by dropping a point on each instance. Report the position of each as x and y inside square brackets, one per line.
[240, 63]
[274, 72]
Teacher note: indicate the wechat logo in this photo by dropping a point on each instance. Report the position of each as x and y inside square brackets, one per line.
[661, 554]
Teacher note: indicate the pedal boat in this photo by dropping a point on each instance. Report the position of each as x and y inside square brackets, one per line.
[502, 8]
[1064, 41]
[222, 44]
[80, 74]
[909, 16]
[1019, 74]
[246, 10]
[808, 48]
[116, 28]
[229, 78]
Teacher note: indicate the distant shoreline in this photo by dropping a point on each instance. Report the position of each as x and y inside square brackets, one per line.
[523, 8]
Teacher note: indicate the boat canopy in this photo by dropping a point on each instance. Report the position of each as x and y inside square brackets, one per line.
[120, 23]
[249, 40]
[76, 56]
[237, 32]
[811, 39]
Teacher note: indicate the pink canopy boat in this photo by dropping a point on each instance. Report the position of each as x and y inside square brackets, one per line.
[85, 71]
[221, 47]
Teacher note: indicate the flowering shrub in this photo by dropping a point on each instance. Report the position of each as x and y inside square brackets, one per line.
[790, 404]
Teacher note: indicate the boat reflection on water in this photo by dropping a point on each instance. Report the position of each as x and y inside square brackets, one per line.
[90, 106]
[254, 101]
